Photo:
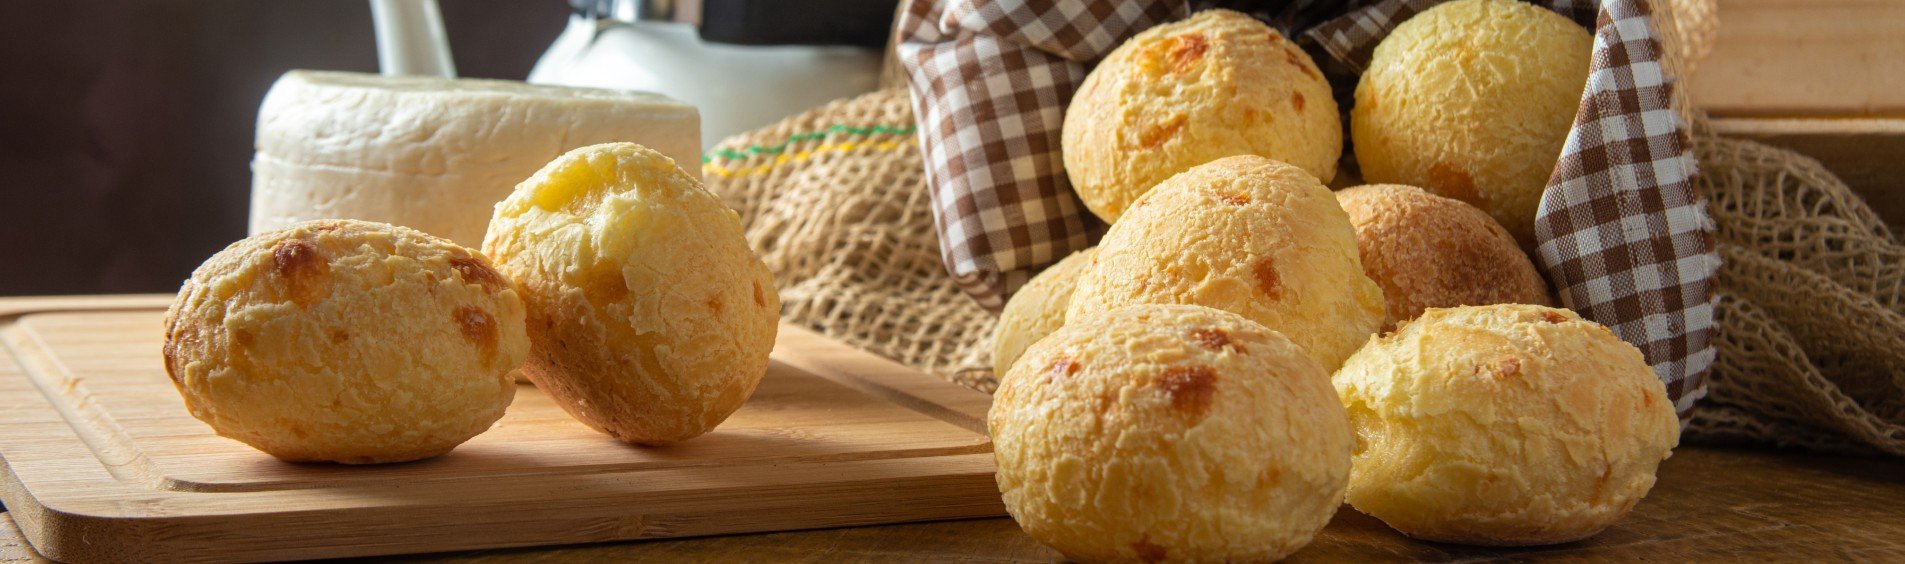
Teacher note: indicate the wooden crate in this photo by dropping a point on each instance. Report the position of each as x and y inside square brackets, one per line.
[1825, 78]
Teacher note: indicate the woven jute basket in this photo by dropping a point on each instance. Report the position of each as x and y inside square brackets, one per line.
[1811, 330]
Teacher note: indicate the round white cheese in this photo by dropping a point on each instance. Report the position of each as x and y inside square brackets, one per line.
[435, 154]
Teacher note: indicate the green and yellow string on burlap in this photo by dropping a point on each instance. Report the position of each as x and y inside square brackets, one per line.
[896, 136]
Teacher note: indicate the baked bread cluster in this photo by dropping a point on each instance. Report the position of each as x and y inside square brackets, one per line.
[346, 341]
[1185, 93]
[1248, 235]
[1503, 425]
[1208, 144]
[650, 318]
[1179, 409]
[627, 288]
[1169, 432]
[1472, 99]
[1429, 251]
[1036, 310]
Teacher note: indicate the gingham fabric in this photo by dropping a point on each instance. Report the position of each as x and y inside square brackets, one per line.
[1620, 231]
[991, 82]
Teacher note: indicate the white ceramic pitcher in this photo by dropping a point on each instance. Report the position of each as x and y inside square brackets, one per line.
[623, 44]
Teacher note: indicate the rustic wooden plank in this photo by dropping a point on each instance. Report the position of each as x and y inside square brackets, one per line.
[13, 546]
[1711, 504]
[102, 462]
[1805, 57]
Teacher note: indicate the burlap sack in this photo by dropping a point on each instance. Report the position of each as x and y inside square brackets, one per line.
[1811, 343]
[1810, 350]
[1690, 27]
[835, 202]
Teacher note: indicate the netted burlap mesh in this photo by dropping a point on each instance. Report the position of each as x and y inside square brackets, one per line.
[1686, 29]
[1811, 347]
[1811, 340]
[841, 215]
[1692, 26]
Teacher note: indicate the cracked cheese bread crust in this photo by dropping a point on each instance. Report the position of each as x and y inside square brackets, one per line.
[346, 341]
[1472, 100]
[1181, 94]
[1248, 235]
[1429, 251]
[1174, 432]
[1036, 310]
[651, 319]
[1503, 425]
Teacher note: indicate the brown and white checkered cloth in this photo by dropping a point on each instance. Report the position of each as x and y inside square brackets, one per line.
[1620, 231]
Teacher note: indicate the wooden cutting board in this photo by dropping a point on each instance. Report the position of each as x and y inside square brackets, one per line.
[102, 462]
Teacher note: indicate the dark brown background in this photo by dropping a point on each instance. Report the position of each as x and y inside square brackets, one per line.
[126, 126]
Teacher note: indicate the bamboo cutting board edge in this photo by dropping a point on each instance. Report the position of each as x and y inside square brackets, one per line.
[71, 507]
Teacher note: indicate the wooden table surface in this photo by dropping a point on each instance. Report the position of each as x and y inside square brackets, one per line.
[1711, 504]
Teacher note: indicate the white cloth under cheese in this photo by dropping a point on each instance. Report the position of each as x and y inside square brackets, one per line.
[435, 154]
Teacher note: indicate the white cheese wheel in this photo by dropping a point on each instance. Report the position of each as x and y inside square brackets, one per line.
[435, 154]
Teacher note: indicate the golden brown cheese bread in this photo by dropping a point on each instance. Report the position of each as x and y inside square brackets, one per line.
[1248, 235]
[1472, 99]
[1503, 425]
[1429, 251]
[1036, 310]
[1169, 432]
[1185, 93]
[346, 341]
[651, 319]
